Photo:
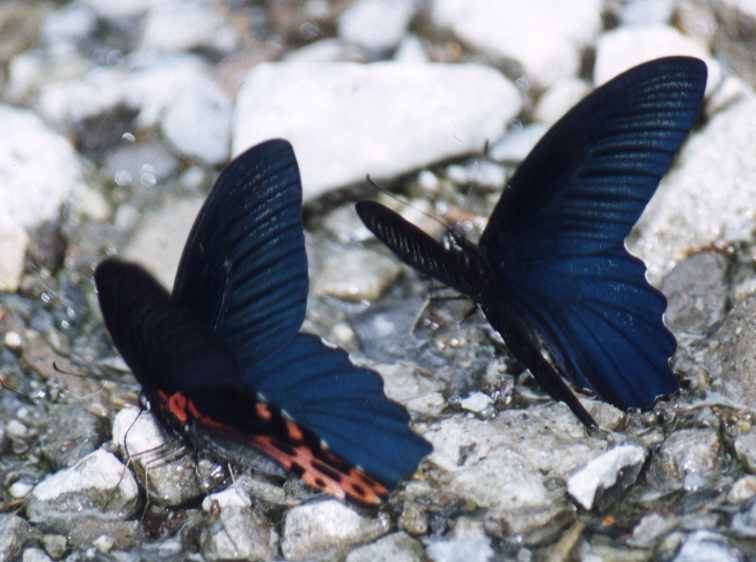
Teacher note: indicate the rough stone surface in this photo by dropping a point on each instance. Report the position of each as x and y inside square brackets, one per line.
[467, 543]
[687, 459]
[706, 546]
[357, 275]
[171, 479]
[742, 490]
[709, 195]
[160, 239]
[504, 31]
[745, 448]
[320, 527]
[207, 104]
[607, 476]
[504, 462]
[560, 98]
[623, 48]
[15, 532]
[97, 485]
[517, 144]
[732, 357]
[696, 291]
[407, 385]
[398, 547]
[450, 109]
[376, 25]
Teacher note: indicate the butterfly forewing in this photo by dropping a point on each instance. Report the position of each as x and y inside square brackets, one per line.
[244, 268]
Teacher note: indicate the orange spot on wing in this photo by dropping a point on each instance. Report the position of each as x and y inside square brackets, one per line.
[263, 412]
[294, 431]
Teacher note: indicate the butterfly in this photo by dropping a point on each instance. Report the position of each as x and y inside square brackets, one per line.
[221, 356]
[550, 272]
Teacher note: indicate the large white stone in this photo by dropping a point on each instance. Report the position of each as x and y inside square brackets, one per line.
[545, 36]
[181, 25]
[376, 25]
[13, 243]
[625, 47]
[710, 195]
[348, 120]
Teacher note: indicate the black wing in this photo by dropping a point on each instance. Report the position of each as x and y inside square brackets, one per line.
[243, 272]
[557, 234]
[415, 248]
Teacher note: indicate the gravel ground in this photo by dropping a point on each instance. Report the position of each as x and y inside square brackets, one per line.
[118, 115]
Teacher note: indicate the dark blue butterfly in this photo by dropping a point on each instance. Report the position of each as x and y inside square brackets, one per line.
[222, 356]
[551, 272]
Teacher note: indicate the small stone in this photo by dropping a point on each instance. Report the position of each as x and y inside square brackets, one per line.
[414, 519]
[326, 50]
[650, 528]
[12, 340]
[20, 489]
[406, 385]
[55, 545]
[119, 10]
[70, 23]
[476, 402]
[13, 245]
[97, 484]
[411, 50]
[503, 31]
[745, 448]
[559, 99]
[468, 543]
[205, 103]
[517, 144]
[315, 528]
[605, 478]
[478, 172]
[744, 522]
[232, 496]
[103, 543]
[239, 533]
[622, 48]
[376, 25]
[16, 429]
[171, 481]
[15, 532]
[451, 110]
[688, 458]
[356, 275]
[35, 555]
[146, 164]
[344, 224]
[160, 239]
[185, 26]
[731, 362]
[647, 12]
[75, 434]
[696, 291]
[397, 547]
[743, 490]
[705, 546]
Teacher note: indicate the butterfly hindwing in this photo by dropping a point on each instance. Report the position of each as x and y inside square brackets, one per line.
[244, 269]
[415, 248]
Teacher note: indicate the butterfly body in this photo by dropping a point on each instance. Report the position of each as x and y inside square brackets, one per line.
[221, 356]
[550, 271]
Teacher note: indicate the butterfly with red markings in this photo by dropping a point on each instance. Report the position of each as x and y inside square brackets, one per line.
[222, 356]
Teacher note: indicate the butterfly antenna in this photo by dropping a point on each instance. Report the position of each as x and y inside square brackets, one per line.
[403, 201]
[63, 371]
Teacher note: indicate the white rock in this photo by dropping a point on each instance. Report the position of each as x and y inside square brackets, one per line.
[171, 479]
[479, 172]
[560, 98]
[181, 25]
[376, 25]
[232, 496]
[397, 547]
[70, 23]
[326, 50]
[20, 489]
[710, 195]
[35, 555]
[545, 36]
[625, 47]
[317, 527]
[467, 543]
[411, 50]
[121, 9]
[347, 120]
[604, 472]
[356, 275]
[404, 384]
[240, 533]
[160, 239]
[13, 244]
[99, 479]
[517, 144]
[647, 12]
[147, 84]
[476, 402]
[507, 460]
[207, 104]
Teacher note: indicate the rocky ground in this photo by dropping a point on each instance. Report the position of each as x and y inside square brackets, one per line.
[117, 116]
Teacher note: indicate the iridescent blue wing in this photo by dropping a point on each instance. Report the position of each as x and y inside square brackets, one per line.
[243, 272]
[557, 234]
[344, 405]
